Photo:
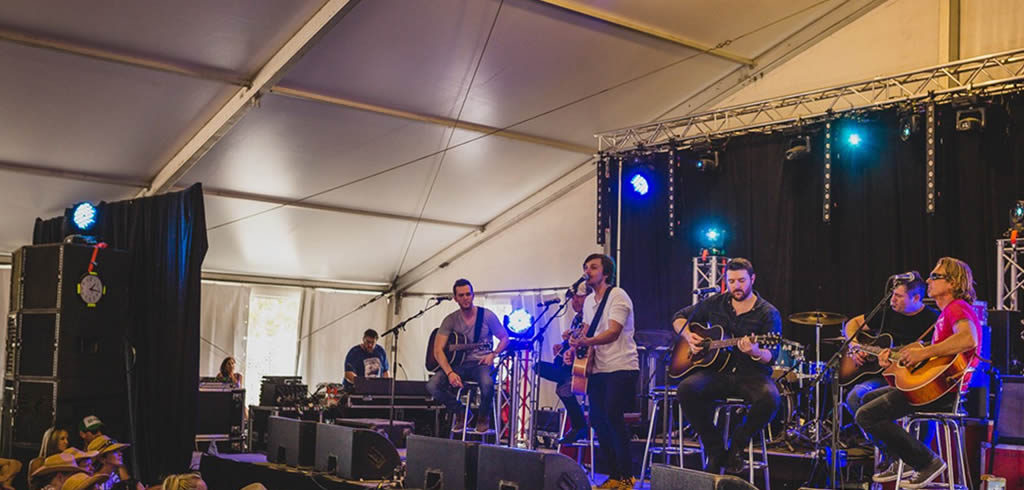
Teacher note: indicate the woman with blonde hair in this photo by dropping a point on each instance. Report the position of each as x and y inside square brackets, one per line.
[54, 441]
[185, 481]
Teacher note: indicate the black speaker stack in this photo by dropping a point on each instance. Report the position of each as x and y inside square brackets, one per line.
[347, 452]
[65, 343]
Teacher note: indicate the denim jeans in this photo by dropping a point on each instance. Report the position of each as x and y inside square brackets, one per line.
[610, 395]
[855, 395]
[699, 392]
[878, 415]
[439, 388]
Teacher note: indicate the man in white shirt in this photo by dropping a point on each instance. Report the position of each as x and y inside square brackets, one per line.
[612, 385]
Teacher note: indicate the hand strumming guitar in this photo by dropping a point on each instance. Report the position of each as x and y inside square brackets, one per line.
[487, 359]
[454, 379]
[555, 349]
[883, 358]
[693, 339]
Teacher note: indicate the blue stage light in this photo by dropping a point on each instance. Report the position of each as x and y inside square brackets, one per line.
[854, 139]
[711, 234]
[84, 216]
[519, 321]
[639, 184]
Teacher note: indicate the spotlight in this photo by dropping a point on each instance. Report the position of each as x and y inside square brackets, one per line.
[909, 125]
[83, 215]
[712, 239]
[639, 183]
[1016, 218]
[970, 119]
[519, 322]
[853, 139]
[707, 162]
[799, 147]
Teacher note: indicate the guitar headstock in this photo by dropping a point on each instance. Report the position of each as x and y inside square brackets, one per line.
[769, 339]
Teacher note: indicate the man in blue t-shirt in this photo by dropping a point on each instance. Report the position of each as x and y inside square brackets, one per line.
[366, 359]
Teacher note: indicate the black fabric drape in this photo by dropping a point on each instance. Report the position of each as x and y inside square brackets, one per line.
[48, 231]
[165, 236]
[771, 210]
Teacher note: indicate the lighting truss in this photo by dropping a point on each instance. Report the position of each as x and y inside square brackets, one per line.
[1009, 274]
[984, 75]
[708, 272]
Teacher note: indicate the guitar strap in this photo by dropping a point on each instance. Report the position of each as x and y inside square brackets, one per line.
[479, 323]
[600, 310]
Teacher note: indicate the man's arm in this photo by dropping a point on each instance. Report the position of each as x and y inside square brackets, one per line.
[350, 376]
[611, 334]
[442, 360]
[853, 325]
[964, 338]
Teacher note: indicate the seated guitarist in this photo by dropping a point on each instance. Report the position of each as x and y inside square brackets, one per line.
[913, 318]
[957, 330]
[741, 312]
[561, 374]
[477, 366]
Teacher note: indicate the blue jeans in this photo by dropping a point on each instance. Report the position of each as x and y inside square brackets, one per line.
[470, 370]
[878, 416]
[855, 395]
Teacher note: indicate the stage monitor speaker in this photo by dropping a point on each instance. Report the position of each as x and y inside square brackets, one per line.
[664, 477]
[433, 463]
[502, 468]
[1010, 423]
[1007, 345]
[220, 411]
[291, 442]
[355, 454]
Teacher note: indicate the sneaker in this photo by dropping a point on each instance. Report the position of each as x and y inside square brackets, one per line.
[888, 474]
[459, 423]
[483, 423]
[627, 483]
[925, 475]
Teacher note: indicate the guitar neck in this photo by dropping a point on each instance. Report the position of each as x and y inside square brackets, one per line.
[455, 347]
[721, 344]
[875, 350]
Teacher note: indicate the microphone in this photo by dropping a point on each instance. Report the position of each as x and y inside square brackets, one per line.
[708, 290]
[576, 284]
[441, 298]
[548, 302]
[906, 276]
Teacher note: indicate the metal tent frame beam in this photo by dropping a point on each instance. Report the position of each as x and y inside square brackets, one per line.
[982, 75]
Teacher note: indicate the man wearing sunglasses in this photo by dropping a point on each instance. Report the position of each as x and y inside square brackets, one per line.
[957, 330]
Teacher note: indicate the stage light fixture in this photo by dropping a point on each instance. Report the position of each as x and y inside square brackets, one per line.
[910, 124]
[853, 139]
[1016, 218]
[639, 183]
[83, 215]
[970, 119]
[799, 147]
[519, 322]
[707, 162]
[712, 239]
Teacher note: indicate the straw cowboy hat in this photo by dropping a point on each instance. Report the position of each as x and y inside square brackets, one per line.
[81, 481]
[79, 454]
[59, 462]
[105, 445]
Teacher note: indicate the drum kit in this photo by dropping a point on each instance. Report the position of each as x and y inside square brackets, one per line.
[800, 417]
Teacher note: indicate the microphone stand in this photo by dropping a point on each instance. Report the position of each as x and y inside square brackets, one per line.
[832, 367]
[538, 342]
[397, 329]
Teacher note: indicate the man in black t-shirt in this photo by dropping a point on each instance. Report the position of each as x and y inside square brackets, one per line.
[367, 359]
[907, 322]
[741, 312]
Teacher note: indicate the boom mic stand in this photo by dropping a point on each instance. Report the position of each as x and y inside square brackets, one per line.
[538, 344]
[397, 329]
[832, 367]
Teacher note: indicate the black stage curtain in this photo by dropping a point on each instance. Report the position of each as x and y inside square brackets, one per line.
[166, 238]
[771, 210]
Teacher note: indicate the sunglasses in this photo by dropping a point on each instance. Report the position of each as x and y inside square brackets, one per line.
[936, 276]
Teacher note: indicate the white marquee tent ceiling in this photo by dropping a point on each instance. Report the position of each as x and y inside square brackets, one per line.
[93, 104]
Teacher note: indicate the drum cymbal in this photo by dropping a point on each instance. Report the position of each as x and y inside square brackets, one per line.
[653, 338]
[817, 318]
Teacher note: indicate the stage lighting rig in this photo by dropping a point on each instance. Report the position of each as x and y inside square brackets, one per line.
[910, 124]
[519, 323]
[83, 217]
[1016, 219]
[972, 119]
[799, 147]
[707, 161]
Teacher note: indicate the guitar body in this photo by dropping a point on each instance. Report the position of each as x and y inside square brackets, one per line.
[928, 381]
[850, 373]
[581, 368]
[684, 361]
[456, 349]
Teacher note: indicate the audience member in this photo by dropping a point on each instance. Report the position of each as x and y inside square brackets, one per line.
[54, 441]
[110, 460]
[82, 458]
[185, 481]
[82, 481]
[54, 471]
[89, 428]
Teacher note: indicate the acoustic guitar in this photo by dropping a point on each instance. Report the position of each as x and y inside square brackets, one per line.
[582, 357]
[454, 350]
[926, 381]
[849, 371]
[711, 355]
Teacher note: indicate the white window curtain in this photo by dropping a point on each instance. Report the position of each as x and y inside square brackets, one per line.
[223, 325]
[331, 325]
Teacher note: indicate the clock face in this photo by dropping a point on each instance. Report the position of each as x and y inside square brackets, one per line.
[90, 289]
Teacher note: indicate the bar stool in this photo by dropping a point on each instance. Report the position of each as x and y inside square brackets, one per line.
[675, 424]
[739, 406]
[466, 396]
[948, 425]
[590, 442]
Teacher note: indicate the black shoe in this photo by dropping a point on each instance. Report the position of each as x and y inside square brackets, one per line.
[886, 472]
[734, 463]
[572, 436]
[925, 475]
[714, 465]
